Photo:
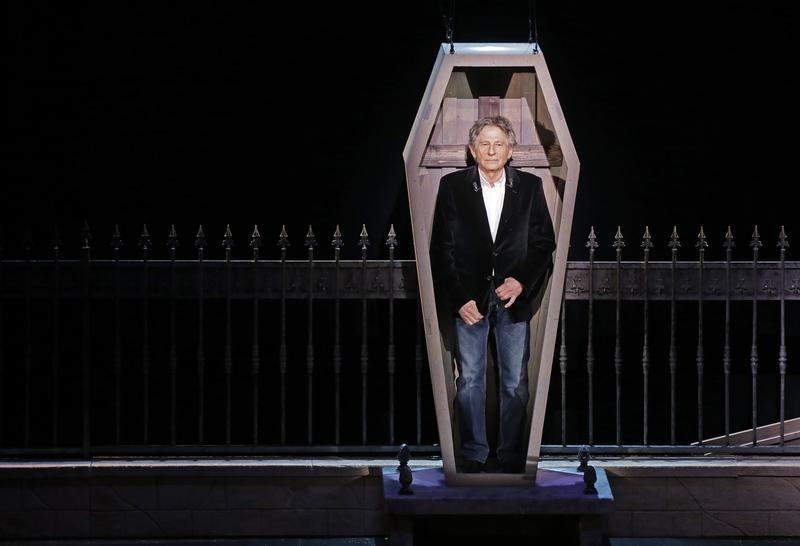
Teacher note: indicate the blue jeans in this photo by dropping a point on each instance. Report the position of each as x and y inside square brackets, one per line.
[513, 349]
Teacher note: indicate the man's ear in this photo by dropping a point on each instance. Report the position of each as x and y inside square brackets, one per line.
[471, 151]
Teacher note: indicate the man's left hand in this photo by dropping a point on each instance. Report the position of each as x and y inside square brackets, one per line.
[509, 290]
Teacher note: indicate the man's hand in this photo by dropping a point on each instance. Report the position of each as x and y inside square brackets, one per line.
[469, 313]
[509, 290]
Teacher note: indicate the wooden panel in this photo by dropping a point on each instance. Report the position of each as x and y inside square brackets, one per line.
[488, 107]
[449, 126]
[510, 108]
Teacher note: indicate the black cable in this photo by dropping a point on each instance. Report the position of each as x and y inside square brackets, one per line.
[448, 21]
[533, 31]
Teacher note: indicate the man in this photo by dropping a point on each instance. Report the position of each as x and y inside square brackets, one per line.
[491, 249]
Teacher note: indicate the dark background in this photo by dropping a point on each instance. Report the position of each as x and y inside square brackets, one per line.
[681, 112]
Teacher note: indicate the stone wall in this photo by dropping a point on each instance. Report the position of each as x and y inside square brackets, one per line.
[731, 498]
[157, 499]
[191, 502]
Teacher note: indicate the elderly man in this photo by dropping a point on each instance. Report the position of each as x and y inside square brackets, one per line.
[491, 249]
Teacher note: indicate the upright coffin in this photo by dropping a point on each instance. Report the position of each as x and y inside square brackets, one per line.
[477, 80]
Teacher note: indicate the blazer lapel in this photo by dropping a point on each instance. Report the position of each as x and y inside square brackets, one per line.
[476, 202]
[510, 201]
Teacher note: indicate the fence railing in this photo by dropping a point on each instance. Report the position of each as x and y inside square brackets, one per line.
[204, 353]
[210, 355]
[698, 333]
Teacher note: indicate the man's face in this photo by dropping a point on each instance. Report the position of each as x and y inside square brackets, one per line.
[491, 149]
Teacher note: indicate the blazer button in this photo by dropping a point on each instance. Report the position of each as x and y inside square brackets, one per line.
[488, 277]
[495, 253]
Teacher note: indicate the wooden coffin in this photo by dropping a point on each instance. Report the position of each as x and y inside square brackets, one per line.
[474, 81]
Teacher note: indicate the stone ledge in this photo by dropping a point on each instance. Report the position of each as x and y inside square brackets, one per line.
[242, 467]
[699, 467]
[729, 466]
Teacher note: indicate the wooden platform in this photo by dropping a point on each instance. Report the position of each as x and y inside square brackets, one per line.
[555, 506]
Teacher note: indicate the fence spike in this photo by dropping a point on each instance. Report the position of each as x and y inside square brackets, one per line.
[619, 242]
[283, 239]
[86, 236]
[144, 238]
[591, 243]
[27, 240]
[391, 240]
[56, 242]
[647, 242]
[701, 244]
[755, 242]
[783, 239]
[336, 243]
[200, 238]
[255, 238]
[311, 239]
[116, 240]
[729, 244]
[227, 239]
[674, 243]
[172, 238]
[363, 239]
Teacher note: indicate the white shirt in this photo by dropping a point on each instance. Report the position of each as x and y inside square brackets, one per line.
[493, 197]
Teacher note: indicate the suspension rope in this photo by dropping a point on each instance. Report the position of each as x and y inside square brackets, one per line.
[533, 31]
[449, 23]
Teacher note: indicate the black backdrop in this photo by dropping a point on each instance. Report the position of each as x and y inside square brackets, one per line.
[682, 113]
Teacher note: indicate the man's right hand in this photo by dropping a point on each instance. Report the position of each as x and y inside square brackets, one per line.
[469, 313]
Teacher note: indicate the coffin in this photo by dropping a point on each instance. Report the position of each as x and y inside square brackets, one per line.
[475, 81]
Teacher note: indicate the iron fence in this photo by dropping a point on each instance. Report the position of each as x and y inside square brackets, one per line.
[157, 353]
[197, 355]
[670, 331]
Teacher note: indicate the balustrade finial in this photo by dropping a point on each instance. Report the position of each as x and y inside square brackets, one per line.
[172, 239]
[783, 239]
[336, 242]
[591, 242]
[674, 240]
[619, 240]
[755, 242]
[255, 238]
[647, 242]
[391, 239]
[227, 239]
[200, 238]
[116, 239]
[728, 244]
[56, 243]
[86, 235]
[702, 243]
[363, 238]
[144, 238]
[283, 238]
[311, 239]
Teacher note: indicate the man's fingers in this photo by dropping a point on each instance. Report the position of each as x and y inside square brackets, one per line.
[470, 314]
[509, 291]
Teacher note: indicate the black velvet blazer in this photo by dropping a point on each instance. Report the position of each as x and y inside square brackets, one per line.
[463, 254]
